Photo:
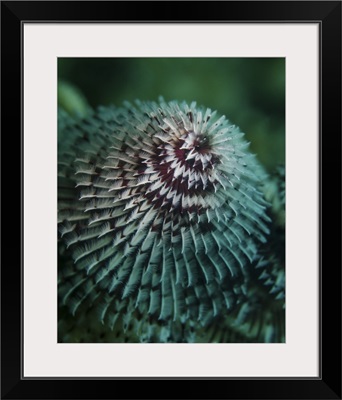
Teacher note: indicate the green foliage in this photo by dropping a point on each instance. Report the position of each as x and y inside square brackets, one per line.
[71, 99]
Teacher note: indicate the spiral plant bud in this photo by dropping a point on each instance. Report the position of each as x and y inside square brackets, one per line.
[161, 212]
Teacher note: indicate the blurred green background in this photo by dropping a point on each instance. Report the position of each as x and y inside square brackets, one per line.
[250, 92]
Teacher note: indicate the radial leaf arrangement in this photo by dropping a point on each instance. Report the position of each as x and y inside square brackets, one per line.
[161, 215]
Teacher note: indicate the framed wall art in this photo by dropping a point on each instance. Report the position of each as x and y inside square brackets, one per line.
[171, 173]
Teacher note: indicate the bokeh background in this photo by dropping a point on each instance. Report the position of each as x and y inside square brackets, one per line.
[250, 92]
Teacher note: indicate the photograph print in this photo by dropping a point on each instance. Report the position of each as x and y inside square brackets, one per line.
[171, 200]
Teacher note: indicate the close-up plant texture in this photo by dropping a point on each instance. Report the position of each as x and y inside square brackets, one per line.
[170, 229]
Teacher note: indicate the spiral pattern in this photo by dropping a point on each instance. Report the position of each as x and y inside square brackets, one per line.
[161, 210]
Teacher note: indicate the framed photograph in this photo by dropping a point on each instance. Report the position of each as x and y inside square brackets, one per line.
[171, 197]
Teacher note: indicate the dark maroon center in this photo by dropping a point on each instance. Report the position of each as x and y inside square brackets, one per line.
[181, 184]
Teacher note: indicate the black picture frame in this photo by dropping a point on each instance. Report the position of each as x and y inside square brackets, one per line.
[328, 15]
